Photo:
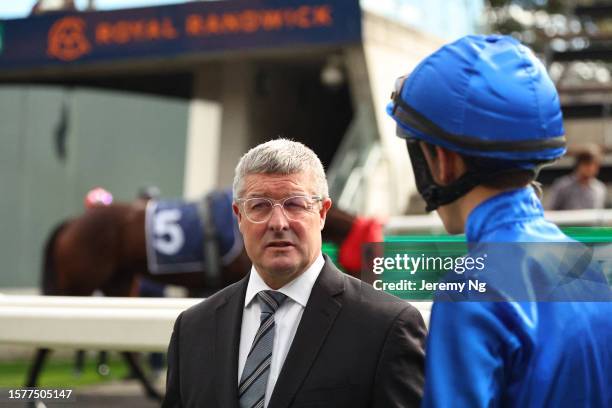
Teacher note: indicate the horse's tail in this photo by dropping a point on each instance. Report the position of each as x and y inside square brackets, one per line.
[49, 274]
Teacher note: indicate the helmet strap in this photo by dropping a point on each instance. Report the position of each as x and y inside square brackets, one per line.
[433, 193]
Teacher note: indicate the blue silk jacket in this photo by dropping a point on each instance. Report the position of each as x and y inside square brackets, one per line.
[518, 353]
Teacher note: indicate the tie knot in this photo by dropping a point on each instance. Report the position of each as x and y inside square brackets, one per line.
[270, 300]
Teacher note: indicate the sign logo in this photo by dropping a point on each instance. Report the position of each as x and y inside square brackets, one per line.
[66, 39]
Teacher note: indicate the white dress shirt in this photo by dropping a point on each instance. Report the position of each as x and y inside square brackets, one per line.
[286, 318]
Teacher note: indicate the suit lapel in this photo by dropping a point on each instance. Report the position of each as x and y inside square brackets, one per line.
[228, 321]
[317, 320]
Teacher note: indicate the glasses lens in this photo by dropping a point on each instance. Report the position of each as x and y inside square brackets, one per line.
[296, 207]
[257, 209]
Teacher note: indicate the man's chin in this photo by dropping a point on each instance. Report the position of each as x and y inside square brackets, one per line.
[281, 266]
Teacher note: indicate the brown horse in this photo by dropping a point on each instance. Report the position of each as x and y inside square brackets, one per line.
[105, 249]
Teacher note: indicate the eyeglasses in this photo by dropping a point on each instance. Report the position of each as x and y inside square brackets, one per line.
[295, 208]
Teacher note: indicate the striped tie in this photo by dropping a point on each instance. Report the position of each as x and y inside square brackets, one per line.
[252, 387]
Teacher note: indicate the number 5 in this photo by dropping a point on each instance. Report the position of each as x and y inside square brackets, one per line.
[169, 236]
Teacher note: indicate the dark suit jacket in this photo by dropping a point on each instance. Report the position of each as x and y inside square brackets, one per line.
[354, 347]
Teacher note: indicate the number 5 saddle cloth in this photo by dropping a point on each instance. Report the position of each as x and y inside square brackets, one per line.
[178, 232]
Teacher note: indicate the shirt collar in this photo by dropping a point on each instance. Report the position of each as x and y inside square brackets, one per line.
[298, 289]
[510, 206]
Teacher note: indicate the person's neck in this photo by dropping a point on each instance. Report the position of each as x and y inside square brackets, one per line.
[475, 197]
[584, 180]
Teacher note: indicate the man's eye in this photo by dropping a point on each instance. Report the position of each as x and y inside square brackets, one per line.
[261, 205]
[296, 204]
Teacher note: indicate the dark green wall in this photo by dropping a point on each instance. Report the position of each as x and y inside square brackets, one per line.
[120, 141]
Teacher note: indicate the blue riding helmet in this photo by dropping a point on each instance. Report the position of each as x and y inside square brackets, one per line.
[481, 96]
[485, 96]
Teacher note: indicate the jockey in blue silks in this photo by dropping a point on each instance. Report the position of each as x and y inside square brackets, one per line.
[480, 117]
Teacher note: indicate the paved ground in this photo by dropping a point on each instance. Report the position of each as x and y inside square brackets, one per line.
[127, 393]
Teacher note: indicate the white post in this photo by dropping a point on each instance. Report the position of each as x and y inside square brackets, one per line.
[203, 139]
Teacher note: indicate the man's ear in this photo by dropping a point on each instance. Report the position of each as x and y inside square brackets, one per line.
[237, 214]
[446, 166]
[325, 206]
[452, 165]
[432, 157]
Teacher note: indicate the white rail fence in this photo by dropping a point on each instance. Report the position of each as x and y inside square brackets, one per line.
[125, 324]
[408, 224]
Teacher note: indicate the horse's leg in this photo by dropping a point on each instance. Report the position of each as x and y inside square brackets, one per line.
[36, 367]
[103, 367]
[79, 362]
[151, 392]
[49, 286]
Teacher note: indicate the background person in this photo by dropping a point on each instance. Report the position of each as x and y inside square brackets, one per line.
[480, 116]
[581, 189]
[295, 331]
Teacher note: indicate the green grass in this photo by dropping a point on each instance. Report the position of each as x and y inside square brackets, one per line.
[60, 373]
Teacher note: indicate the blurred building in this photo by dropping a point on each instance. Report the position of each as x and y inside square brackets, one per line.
[578, 51]
[174, 95]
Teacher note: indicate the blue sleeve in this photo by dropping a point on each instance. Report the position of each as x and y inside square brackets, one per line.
[468, 350]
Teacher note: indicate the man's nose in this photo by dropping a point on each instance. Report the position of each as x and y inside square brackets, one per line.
[278, 220]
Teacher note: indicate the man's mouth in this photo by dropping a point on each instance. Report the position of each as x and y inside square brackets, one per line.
[279, 244]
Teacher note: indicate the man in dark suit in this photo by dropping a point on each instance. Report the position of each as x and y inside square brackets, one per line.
[295, 332]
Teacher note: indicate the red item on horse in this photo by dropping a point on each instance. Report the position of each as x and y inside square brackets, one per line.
[364, 230]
